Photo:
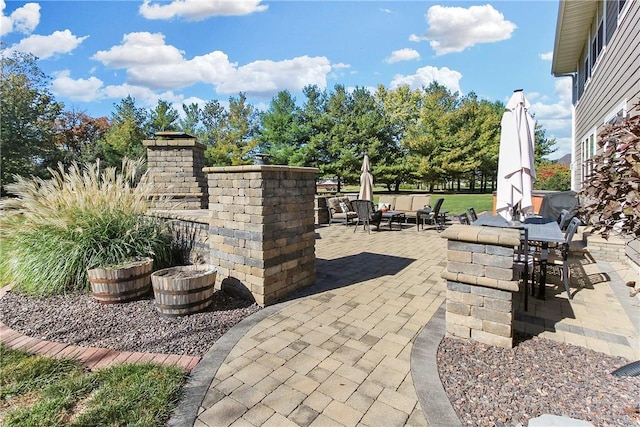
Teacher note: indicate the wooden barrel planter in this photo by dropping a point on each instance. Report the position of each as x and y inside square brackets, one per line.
[126, 283]
[183, 290]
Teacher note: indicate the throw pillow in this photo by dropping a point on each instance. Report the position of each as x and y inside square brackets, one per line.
[384, 206]
[343, 207]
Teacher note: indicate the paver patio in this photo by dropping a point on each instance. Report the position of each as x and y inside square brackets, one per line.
[341, 353]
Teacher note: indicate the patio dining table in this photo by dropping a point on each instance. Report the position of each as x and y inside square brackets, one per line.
[541, 231]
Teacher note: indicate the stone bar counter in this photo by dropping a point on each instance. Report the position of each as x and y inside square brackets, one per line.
[481, 283]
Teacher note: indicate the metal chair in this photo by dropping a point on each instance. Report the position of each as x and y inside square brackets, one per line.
[435, 217]
[524, 263]
[472, 214]
[560, 256]
[366, 214]
[463, 218]
[563, 219]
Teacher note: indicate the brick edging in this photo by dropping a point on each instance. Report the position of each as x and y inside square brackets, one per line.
[91, 357]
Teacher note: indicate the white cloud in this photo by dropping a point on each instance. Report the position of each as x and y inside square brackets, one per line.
[47, 46]
[546, 56]
[143, 95]
[141, 48]
[149, 62]
[454, 29]
[405, 54]
[198, 10]
[426, 75]
[24, 19]
[80, 90]
[266, 76]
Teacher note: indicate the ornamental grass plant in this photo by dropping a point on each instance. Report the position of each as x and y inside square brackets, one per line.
[86, 216]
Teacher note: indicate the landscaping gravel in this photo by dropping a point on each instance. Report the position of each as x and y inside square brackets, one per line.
[132, 326]
[491, 386]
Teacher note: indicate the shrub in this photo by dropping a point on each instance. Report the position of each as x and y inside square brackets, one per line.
[611, 196]
[84, 217]
[553, 176]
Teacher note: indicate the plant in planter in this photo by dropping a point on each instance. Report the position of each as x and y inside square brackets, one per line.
[84, 217]
[121, 283]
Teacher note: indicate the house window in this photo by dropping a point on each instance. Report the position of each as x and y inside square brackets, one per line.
[597, 43]
[588, 150]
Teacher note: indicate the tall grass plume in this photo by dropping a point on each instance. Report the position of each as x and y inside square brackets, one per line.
[86, 216]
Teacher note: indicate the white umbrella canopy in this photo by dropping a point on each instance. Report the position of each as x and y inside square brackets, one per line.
[366, 180]
[516, 171]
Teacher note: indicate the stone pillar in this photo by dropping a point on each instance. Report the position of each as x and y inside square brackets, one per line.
[262, 233]
[175, 162]
[481, 283]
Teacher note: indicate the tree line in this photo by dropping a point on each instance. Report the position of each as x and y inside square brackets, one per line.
[429, 136]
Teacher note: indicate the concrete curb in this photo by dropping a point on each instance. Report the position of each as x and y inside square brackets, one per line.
[436, 407]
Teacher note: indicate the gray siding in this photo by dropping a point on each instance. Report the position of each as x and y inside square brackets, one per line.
[616, 78]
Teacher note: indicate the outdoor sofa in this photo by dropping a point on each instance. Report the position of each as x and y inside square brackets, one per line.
[406, 203]
[340, 209]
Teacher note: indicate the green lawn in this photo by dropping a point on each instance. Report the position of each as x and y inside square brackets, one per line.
[42, 391]
[453, 203]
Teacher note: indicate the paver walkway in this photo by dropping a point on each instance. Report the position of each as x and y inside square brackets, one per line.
[340, 356]
[358, 348]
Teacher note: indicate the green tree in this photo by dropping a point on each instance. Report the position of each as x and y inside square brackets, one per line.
[281, 132]
[190, 124]
[163, 118]
[475, 126]
[543, 145]
[28, 113]
[430, 138]
[128, 130]
[230, 135]
[400, 112]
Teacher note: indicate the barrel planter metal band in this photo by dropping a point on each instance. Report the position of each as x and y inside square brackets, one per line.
[118, 285]
[183, 290]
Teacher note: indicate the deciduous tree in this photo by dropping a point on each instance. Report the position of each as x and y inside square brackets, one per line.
[28, 113]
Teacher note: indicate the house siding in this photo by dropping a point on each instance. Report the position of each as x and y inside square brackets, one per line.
[614, 80]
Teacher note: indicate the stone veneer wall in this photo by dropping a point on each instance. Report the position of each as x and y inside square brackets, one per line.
[480, 283]
[190, 232]
[605, 250]
[262, 233]
[175, 167]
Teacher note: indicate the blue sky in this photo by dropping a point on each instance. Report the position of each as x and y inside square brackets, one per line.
[185, 51]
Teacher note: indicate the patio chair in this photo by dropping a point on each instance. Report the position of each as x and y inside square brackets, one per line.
[563, 219]
[524, 264]
[560, 256]
[435, 217]
[472, 214]
[366, 214]
[463, 218]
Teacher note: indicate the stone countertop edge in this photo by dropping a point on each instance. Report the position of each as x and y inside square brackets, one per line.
[259, 168]
[499, 236]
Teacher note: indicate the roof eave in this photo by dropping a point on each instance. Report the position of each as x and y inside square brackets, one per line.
[572, 31]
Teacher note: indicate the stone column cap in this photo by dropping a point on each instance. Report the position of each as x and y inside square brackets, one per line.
[260, 168]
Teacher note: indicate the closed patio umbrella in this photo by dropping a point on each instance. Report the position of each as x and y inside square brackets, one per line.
[366, 180]
[516, 171]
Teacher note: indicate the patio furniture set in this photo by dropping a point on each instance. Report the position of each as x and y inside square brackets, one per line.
[543, 242]
[393, 209]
